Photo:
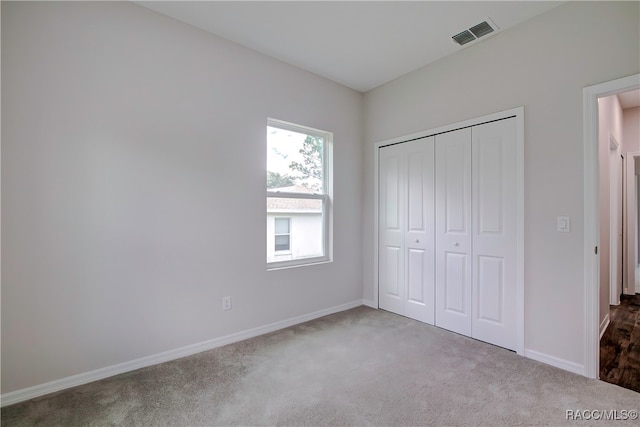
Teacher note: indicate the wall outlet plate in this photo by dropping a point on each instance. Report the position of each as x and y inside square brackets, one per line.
[226, 303]
[564, 224]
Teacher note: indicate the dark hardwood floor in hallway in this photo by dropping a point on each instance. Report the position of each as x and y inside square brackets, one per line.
[620, 345]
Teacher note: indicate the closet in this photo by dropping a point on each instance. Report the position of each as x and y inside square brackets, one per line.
[447, 230]
[407, 239]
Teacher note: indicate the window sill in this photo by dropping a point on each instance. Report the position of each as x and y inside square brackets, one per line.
[279, 253]
[281, 265]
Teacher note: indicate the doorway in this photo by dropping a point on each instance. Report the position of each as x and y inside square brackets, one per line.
[592, 216]
[618, 139]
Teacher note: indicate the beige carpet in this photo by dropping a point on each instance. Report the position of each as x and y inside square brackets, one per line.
[359, 367]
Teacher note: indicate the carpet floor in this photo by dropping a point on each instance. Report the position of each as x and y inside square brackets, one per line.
[358, 367]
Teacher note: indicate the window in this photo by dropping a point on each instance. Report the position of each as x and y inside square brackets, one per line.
[282, 235]
[298, 195]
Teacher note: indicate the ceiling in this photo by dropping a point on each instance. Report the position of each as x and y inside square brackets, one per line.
[359, 44]
[629, 99]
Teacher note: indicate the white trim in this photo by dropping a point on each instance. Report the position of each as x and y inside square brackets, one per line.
[604, 325]
[567, 365]
[614, 215]
[109, 371]
[590, 97]
[282, 195]
[370, 303]
[518, 113]
[630, 223]
[376, 223]
[520, 214]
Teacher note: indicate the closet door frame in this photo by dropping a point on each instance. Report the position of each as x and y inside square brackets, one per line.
[518, 114]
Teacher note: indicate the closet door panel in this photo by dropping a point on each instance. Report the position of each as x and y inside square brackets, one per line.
[453, 231]
[490, 292]
[416, 277]
[455, 295]
[419, 234]
[392, 269]
[494, 232]
[392, 212]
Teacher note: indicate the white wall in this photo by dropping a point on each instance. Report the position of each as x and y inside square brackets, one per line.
[543, 65]
[133, 188]
[609, 124]
[631, 129]
[631, 138]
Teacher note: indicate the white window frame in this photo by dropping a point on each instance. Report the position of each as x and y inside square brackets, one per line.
[326, 196]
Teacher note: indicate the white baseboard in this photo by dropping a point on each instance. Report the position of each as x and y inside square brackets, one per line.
[370, 303]
[555, 361]
[109, 371]
[604, 325]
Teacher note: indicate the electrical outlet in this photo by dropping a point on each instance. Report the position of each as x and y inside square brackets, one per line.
[564, 224]
[226, 303]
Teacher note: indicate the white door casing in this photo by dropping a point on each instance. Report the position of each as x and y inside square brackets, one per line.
[453, 231]
[630, 237]
[615, 190]
[619, 223]
[591, 330]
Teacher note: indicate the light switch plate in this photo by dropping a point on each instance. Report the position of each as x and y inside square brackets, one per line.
[564, 224]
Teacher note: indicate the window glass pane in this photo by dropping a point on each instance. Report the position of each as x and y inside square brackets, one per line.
[282, 243]
[285, 205]
[297, 225]
[282, 226]
[294, 161]
[301, 233]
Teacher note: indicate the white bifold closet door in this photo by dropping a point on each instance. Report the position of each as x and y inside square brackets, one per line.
[494, 225]
[447, 231]
[453, 231]
[406, 233]
[476, 232]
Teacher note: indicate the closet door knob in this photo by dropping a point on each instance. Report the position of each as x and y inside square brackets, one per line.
[456, 244]
[417, 241]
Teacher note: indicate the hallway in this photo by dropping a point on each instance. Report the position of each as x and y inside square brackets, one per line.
[620, 345]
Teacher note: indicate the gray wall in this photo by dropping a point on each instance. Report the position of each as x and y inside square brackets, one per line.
[543, 64]
[133, 188]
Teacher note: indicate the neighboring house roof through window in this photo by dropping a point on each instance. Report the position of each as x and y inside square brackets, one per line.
[281, 204]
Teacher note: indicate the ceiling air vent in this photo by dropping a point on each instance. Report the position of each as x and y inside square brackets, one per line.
[463, 37]
[475, 32]
[482, 29]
